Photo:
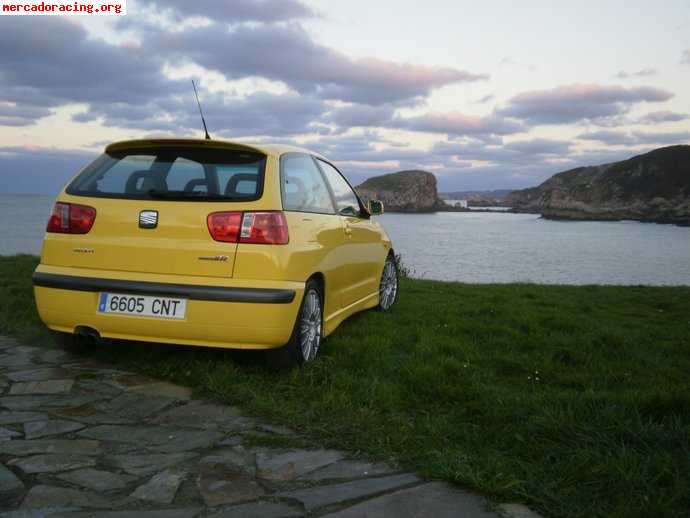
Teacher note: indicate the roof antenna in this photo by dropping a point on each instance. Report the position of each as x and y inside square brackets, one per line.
[196, 94]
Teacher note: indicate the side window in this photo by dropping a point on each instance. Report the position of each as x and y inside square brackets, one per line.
[302, 185]
[345, 197]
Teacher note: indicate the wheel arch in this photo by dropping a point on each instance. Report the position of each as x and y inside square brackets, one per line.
[329, 305]
[320, 278]
[391, 254]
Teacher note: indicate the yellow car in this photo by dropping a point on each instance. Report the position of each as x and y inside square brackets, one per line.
[212, 243]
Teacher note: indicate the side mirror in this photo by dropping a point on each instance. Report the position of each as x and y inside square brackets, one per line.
[375, 207]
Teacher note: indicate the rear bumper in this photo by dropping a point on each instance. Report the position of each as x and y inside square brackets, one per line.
[221, 312]
[187, 291]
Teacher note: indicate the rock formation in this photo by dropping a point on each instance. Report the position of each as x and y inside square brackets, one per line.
[405, 191]
[652, 187]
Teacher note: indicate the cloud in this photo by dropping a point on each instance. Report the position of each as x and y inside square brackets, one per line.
[13, 114]
[484, 99]
[572, 103]
[661, 137]
[636, 138]
[644, 72]
[364, 154]
[450, 123]
[509, 61]
[685, 59]
[28, 170]
[516, 171]
[367, 146]
[258, 114]
[235, 11]
[261, 113]
[470, 164]
[51, 62]
[609, 137]
[355, 115]
[287, 53]
[662, 116]
[456, 124]
[540, 146]
[524, 151]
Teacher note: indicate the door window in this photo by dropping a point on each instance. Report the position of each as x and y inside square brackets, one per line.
[345, 198]
[302, 185]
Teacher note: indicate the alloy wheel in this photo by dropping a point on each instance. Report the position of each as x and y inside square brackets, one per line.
[388, 289]
[310, 325]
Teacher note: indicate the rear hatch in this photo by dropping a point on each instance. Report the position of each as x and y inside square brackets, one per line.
[150, 207]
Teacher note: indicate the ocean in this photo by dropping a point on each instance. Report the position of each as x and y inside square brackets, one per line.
[480, 247]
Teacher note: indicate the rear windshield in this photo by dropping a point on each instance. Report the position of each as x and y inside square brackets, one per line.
[173, 173]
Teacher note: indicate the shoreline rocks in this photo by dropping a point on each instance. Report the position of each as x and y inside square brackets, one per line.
[653, 187]
[405, 191]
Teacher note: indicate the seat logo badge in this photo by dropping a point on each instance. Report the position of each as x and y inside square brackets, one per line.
[148, 219]
[219, 258]
[83, 250]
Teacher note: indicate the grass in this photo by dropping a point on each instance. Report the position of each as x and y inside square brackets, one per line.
[573, 400]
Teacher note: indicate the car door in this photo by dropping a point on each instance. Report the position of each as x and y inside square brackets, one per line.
[316, 231]
[365, 250]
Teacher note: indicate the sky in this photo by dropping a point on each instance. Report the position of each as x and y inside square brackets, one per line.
[490, 95]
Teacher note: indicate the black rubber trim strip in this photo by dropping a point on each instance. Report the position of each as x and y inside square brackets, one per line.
[186, 291]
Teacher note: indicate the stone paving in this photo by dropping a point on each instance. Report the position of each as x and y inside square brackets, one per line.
[79, 439]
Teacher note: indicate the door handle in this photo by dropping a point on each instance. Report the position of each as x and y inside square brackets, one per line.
[347, 229]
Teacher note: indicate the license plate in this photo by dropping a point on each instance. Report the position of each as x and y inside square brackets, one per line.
[142, 305]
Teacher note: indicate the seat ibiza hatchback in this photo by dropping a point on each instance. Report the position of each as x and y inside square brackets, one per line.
[212, 243]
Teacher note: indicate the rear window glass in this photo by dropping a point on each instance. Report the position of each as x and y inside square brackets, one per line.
[173, 173]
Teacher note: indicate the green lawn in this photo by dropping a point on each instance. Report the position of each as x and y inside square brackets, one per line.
[573, 400]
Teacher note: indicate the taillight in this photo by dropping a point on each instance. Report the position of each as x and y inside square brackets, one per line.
[70, 218]
[264, 228]
[268, 228]
[224, 226]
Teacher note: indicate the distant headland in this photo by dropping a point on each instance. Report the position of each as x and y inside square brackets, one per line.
[653, 187]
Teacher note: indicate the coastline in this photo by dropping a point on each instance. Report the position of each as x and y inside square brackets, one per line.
[572, 215]
[561, 215]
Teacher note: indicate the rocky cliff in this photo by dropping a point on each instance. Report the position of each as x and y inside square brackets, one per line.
[406, 191]
[650, 187]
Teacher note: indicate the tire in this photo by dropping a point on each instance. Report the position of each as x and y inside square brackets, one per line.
[307, 333]
[389, 285]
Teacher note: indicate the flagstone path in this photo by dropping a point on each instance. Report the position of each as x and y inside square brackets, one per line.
[80, 439]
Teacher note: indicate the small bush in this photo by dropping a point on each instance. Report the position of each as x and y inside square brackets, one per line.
[404, 271]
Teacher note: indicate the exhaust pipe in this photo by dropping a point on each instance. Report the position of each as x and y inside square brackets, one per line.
[86, 335]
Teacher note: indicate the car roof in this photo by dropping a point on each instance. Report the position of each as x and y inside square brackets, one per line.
[264, 148]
